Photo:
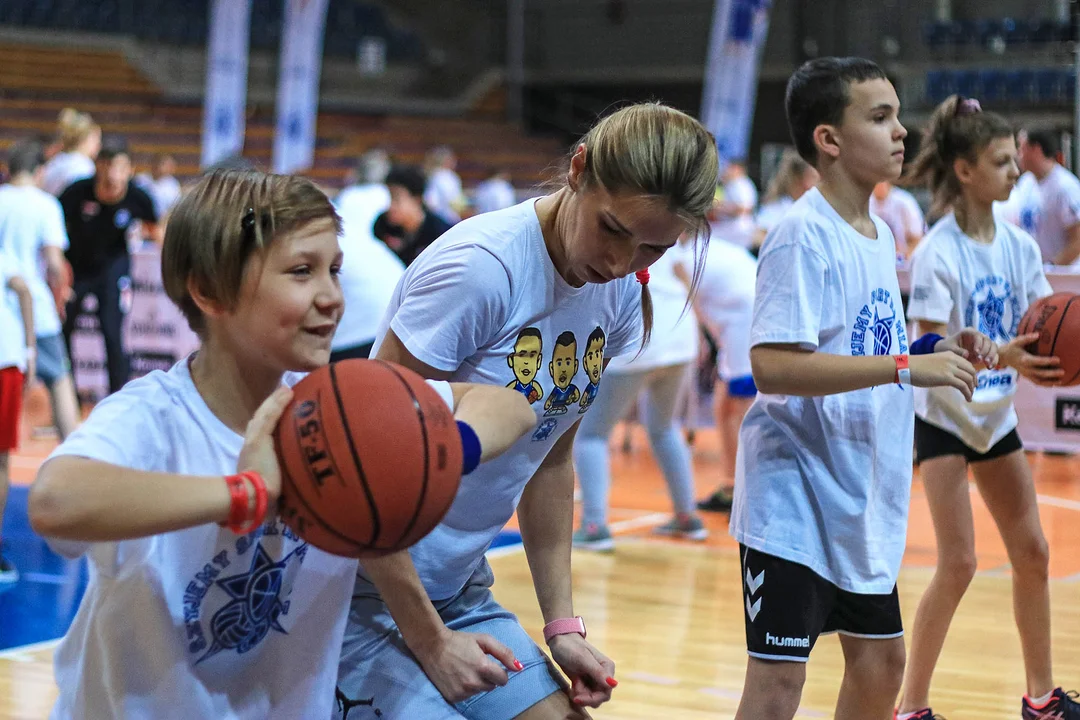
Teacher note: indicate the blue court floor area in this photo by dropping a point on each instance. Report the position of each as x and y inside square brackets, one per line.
[42, 604]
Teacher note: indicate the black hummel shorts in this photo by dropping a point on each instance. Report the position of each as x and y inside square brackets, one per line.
[788, 606]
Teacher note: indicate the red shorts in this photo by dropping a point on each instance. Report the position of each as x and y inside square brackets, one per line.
[11, 393]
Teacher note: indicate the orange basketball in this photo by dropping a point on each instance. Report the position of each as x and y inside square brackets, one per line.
[370, 457]
[1057, 320]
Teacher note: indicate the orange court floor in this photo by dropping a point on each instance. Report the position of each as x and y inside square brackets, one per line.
[670, 612]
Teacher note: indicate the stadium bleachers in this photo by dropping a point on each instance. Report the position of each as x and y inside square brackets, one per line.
[186, 23]
[1016, 33]
[38, 82]
[1020, 87]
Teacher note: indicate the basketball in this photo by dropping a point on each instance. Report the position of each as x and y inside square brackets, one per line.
[370, 458]
[1057, 320]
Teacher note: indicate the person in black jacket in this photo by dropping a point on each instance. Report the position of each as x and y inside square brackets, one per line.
[408, 226]
[99, 212]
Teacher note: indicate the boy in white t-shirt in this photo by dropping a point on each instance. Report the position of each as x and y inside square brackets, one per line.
[32, 231]
[824, 464]
[201, 603]
[975, 271]
[17, 354]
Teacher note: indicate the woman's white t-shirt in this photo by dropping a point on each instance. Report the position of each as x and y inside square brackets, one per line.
[485, 303]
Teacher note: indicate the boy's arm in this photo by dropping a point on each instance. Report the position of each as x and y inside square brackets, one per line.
[791, 370]
[26, 308]
[498, 415]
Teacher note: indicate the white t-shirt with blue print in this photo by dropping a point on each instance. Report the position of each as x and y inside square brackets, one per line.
[197, 623]
[825, 481]
[485, 303]
[963, 283]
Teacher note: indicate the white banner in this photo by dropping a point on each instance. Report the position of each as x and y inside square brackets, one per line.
[735, 47]
[298, 84]
[226, 80]
[156, 334]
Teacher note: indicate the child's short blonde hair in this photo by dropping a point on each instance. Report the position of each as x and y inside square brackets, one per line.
[225, 217]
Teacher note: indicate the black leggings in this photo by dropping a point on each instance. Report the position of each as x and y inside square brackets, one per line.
[106, 287]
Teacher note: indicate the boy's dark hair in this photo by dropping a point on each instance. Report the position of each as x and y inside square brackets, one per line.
[408, 177]
[565, 339]
[112, 146]
[818, 93]
[1047, 140]
[25, 156]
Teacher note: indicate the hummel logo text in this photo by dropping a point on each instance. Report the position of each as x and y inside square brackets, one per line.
[770, 639]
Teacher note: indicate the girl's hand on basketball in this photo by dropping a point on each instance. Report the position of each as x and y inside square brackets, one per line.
[943, 369]
[463, 664]
[258, 453]
[971, 345]
[1039, 369]
[591, 673]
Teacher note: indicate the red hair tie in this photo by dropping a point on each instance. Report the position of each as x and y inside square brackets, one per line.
[643, 276]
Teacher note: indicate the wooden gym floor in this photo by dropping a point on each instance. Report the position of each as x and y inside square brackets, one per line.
[670, 613]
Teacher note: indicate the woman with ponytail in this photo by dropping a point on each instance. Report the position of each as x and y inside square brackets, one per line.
[972, 270]
[536, 297]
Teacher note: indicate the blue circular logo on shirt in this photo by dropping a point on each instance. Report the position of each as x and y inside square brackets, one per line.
[122, 218]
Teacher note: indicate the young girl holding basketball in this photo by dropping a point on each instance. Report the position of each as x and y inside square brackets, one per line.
[201, 603]
[974, 271]
[536, 297]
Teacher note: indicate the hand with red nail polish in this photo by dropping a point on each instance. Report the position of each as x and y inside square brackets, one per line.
[462, 664]
[591, 673]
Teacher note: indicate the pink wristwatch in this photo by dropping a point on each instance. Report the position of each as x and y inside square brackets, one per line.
[564, 626]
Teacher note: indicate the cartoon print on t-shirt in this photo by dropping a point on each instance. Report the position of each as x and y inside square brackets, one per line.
[525, 362]
[593, 360]
[563, 367]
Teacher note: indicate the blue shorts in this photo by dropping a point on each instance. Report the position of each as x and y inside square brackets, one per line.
[377, 673]
[52, 358]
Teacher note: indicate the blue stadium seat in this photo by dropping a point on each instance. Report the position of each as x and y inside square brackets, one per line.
[939, 85]
[1048, 86]
[1045, 31]
[938, 34]
[1019, 86]
[987, 29]
[1015, 31]
[967, 82]
[992, 85]
[964, 32]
